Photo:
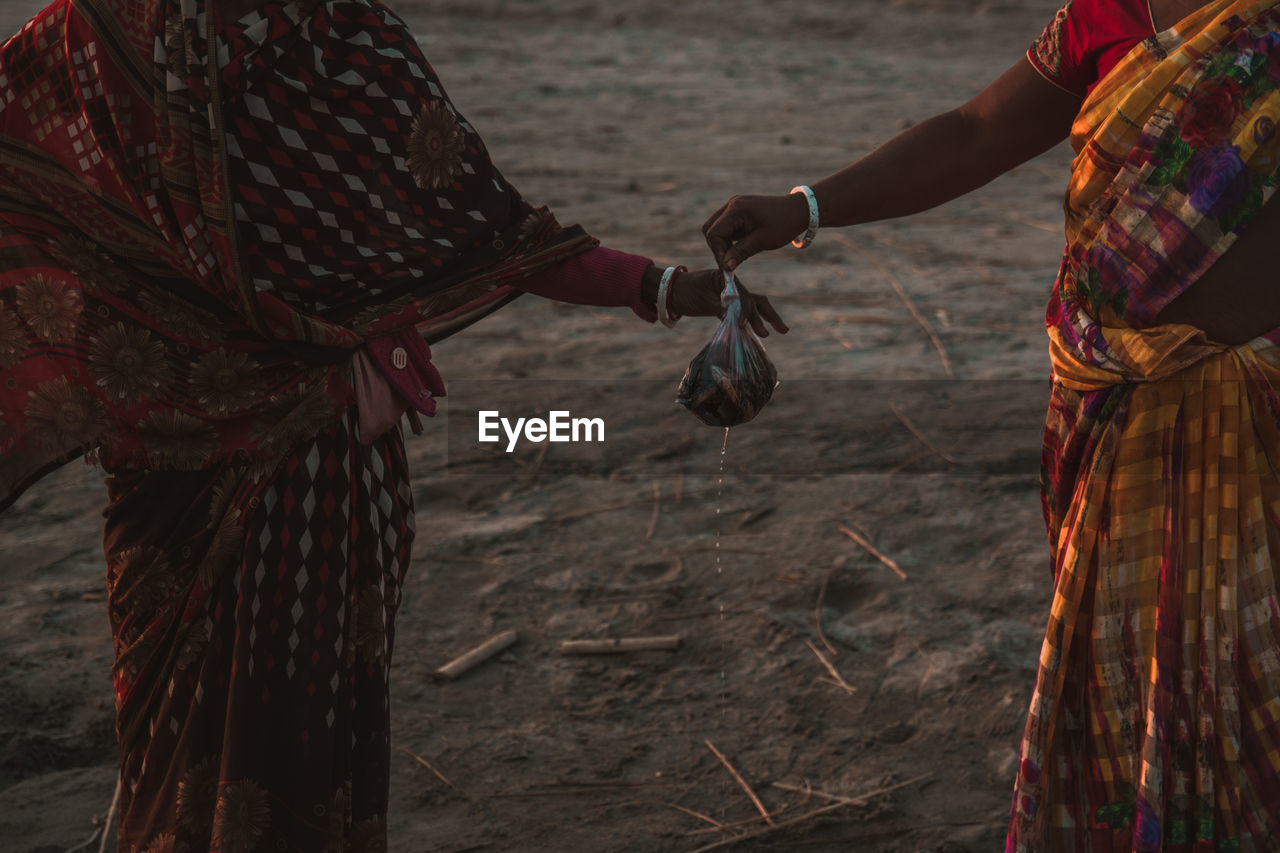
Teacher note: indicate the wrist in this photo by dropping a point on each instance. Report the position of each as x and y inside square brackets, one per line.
[649, 281]
[667, 315]
[799, 210]
[806, 200]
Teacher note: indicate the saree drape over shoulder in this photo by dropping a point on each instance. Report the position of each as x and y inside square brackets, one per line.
[201, 224]
[1155, 721]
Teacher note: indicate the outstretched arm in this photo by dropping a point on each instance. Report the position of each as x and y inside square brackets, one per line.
[607, 277]
[1016, 117]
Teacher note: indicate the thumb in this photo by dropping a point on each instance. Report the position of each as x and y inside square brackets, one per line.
[741, 251]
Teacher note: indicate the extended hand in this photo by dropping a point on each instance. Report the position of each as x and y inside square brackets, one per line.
[697, 294]
[748, 224]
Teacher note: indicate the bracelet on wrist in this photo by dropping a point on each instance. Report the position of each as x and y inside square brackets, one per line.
[803, 241]
[666, 315]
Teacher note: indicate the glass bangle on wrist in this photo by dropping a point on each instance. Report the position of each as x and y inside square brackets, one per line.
[666, 316]
[803, 241]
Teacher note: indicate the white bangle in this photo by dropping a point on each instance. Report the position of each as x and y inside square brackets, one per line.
[803, 241]
[664, 284]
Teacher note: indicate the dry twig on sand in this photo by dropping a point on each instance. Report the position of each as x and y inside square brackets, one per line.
[840, 803]
[101, 834]
[438, 774]
[836, 678]
[906, 422]
[110, 819]
[657, 505]
[612, 645]
[906, 300]
[478, 655]
[817, 612]
[700, 816]
[756, 515]
[873, 551]
[743, 782]
[860, 800]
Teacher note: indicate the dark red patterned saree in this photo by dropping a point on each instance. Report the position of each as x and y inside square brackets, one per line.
[201, 223]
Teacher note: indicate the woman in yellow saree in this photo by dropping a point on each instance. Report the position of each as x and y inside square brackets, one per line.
[1155, 719]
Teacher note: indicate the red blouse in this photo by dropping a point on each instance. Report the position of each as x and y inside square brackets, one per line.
[1086, 39]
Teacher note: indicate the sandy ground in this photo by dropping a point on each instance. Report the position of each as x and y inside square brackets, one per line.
[637, 120]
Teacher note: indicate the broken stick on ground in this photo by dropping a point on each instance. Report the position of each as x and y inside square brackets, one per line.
[873, 551]
[668, 643]
[478, 655]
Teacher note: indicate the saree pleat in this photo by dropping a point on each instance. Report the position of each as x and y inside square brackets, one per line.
[1158, 696]
[254, 626]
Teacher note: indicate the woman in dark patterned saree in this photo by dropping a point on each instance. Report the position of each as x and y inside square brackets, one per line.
[227, 234]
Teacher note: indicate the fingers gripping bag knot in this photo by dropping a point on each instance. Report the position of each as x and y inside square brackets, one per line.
[732, 378]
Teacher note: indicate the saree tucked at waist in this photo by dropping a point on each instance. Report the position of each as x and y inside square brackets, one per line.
[1155, 720]
[200, 225]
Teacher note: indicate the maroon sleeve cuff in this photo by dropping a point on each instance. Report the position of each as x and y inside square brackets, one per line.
[602, 277]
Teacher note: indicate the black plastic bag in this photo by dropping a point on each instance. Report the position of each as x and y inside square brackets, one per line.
[732, 378]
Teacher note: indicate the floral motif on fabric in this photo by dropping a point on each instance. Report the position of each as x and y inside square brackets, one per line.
[127, 362]
[50, 307]
[166, 843]
[241, 818]
[1204, 154]
[226, 381]
[64, 414]
[436, 145]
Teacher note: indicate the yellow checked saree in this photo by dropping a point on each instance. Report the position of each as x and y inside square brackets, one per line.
[1155, 721]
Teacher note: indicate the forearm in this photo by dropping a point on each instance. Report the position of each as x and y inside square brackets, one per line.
[1016, 118]
[933, 162]
[601, 277]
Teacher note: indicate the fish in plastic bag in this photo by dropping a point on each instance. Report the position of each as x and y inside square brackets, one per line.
[732, 378]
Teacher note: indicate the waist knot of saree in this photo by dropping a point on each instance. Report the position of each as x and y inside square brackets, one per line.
[1166, 353]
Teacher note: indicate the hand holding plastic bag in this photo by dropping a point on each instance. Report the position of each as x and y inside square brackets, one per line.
[732, 378]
